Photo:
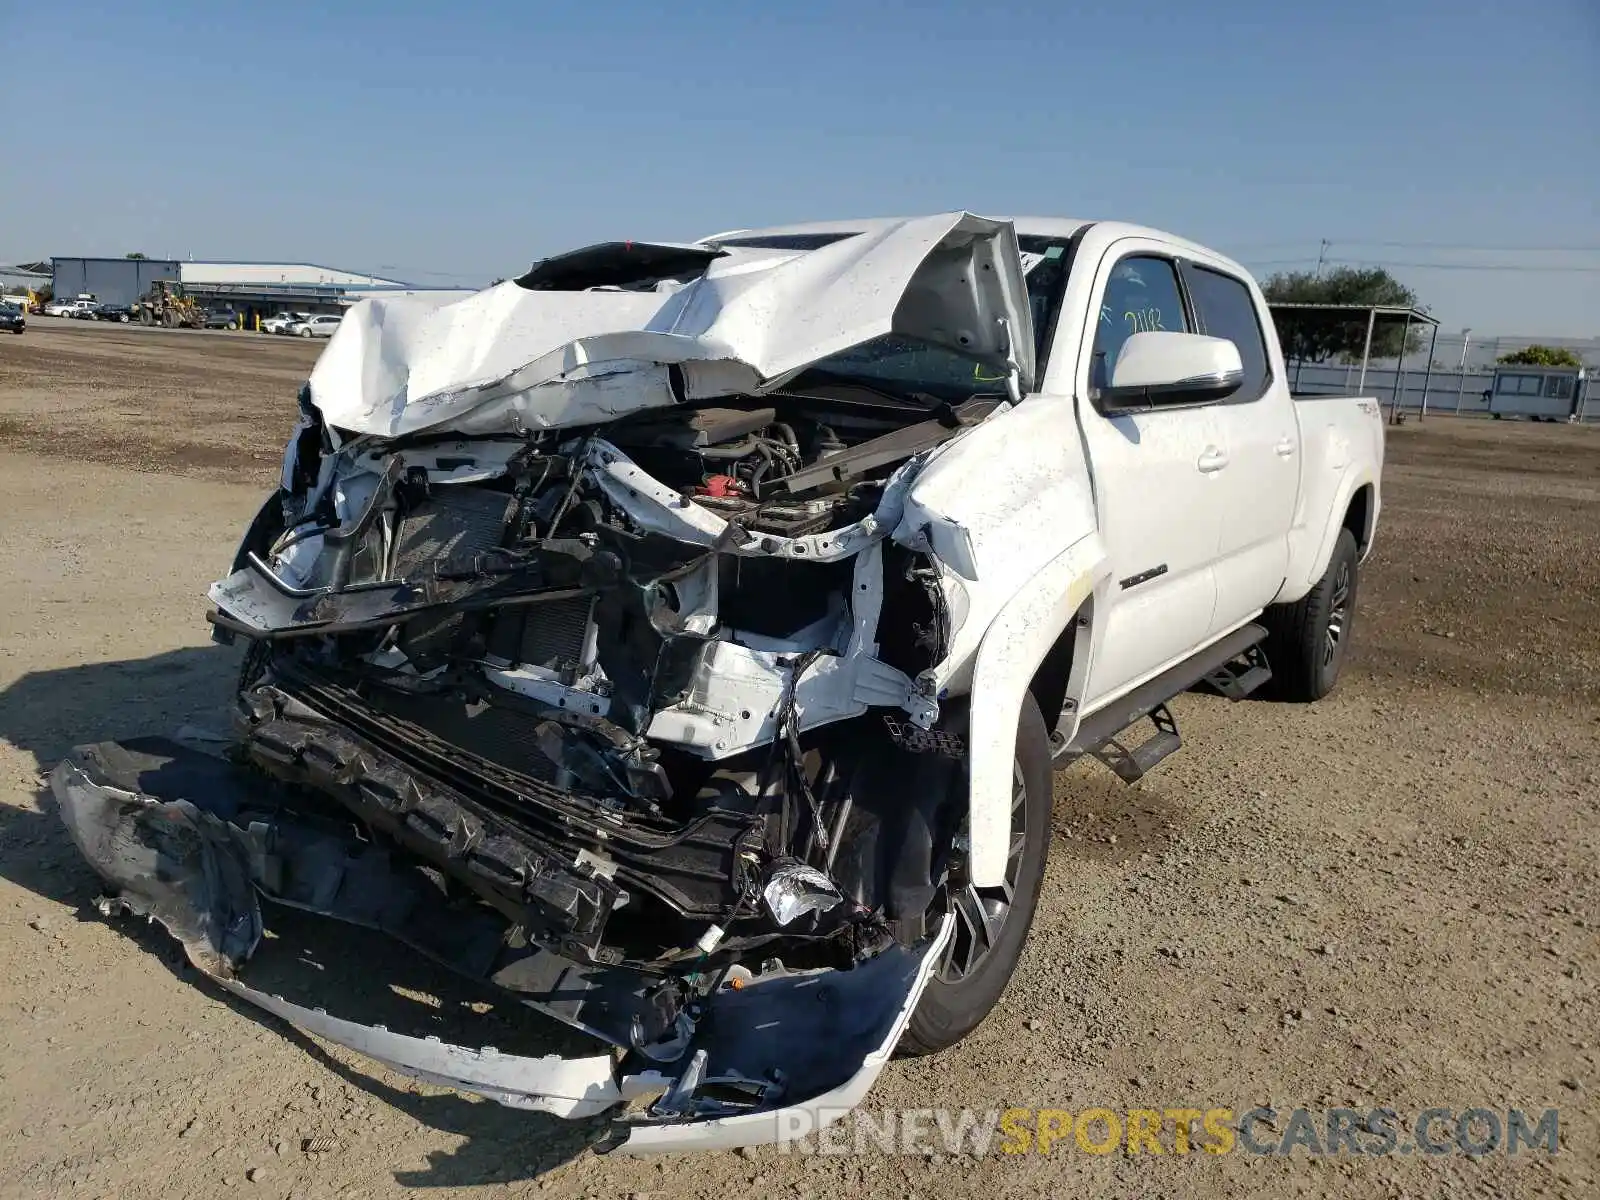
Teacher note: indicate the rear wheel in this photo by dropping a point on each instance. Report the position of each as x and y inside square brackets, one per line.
[1307, 641]
[991, 924]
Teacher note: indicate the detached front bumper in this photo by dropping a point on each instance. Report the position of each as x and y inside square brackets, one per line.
[193, 842]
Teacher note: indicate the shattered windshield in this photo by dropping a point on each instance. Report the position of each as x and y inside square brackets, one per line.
[907, 367]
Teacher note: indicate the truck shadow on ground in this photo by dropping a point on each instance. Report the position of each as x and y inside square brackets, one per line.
[309, 960]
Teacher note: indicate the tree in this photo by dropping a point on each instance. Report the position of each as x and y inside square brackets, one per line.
[1541, 356]
[135, 254]
[1317, 337]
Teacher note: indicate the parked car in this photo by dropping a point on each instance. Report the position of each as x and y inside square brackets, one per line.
[12, 319]
[69, 308]
[221, 318]
[281, 322]
[321, 325]
[702, 688]
[120, 313]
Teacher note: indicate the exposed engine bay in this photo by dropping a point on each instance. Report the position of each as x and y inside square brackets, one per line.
[638, 744]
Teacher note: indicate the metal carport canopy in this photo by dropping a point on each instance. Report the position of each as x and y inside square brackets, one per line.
[1390, 313]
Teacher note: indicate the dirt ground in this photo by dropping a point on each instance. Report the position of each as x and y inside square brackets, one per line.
[1387, 899]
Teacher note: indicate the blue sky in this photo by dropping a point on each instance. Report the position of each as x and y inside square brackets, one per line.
[458, 141]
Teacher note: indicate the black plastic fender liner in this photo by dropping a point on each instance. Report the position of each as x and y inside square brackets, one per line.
[170, 861]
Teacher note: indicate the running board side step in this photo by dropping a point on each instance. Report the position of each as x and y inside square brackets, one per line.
[1132, 765]
[1241, 675]
[1097, 732]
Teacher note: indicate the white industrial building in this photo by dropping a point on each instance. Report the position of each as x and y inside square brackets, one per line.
[253, 289]
[275, 273]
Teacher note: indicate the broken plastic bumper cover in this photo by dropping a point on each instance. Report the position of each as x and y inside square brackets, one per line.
[193, 842]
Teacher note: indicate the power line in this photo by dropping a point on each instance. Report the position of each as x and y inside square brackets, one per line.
[1538, 268]
[1469, 246]
[1534, 268]
[1472, 246]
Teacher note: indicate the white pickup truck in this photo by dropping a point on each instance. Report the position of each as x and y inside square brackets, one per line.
[681, 637]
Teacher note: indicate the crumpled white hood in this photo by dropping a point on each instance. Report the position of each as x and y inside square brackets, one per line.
[508, 358]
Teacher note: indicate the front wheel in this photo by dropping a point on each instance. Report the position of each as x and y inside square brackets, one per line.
[305, 333]
[1307, 641]
[991, 924]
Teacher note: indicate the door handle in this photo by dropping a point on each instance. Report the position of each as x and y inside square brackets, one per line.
[1285, 448]
[1212, 460]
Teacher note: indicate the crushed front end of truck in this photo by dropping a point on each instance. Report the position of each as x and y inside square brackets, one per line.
[594, 649]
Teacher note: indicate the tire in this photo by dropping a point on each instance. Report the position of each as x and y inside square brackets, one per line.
[961, 994]
[305, 333]
[1307, 641]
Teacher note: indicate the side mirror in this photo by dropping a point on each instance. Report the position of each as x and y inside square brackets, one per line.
[1158, 368]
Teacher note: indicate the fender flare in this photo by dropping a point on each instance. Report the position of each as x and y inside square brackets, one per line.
[1014, 645]
[1333, 522]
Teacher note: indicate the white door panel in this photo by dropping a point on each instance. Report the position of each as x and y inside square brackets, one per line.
[1157, 505]
[1258, 496]
[1259, 438]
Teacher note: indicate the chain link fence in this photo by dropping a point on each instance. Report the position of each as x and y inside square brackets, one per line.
[1447, 391]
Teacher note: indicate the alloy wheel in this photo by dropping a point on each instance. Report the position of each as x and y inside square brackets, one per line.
[981, 912]
[1338, 614]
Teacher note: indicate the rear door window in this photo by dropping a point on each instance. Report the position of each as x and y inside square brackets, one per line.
[1223, 308]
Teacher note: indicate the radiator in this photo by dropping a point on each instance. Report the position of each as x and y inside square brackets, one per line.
[454, 522]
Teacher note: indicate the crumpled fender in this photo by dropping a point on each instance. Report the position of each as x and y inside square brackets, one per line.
[1008, 513]
[1014, 645]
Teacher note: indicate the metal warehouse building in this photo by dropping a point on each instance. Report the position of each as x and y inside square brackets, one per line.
[253, 289]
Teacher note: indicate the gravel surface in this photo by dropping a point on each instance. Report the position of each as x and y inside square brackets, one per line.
[1387, 899]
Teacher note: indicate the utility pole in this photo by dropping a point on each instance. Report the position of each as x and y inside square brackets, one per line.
[1321, 255]
[1461, 367]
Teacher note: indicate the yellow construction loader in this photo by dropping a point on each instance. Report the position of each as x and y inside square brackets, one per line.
[166, 304]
